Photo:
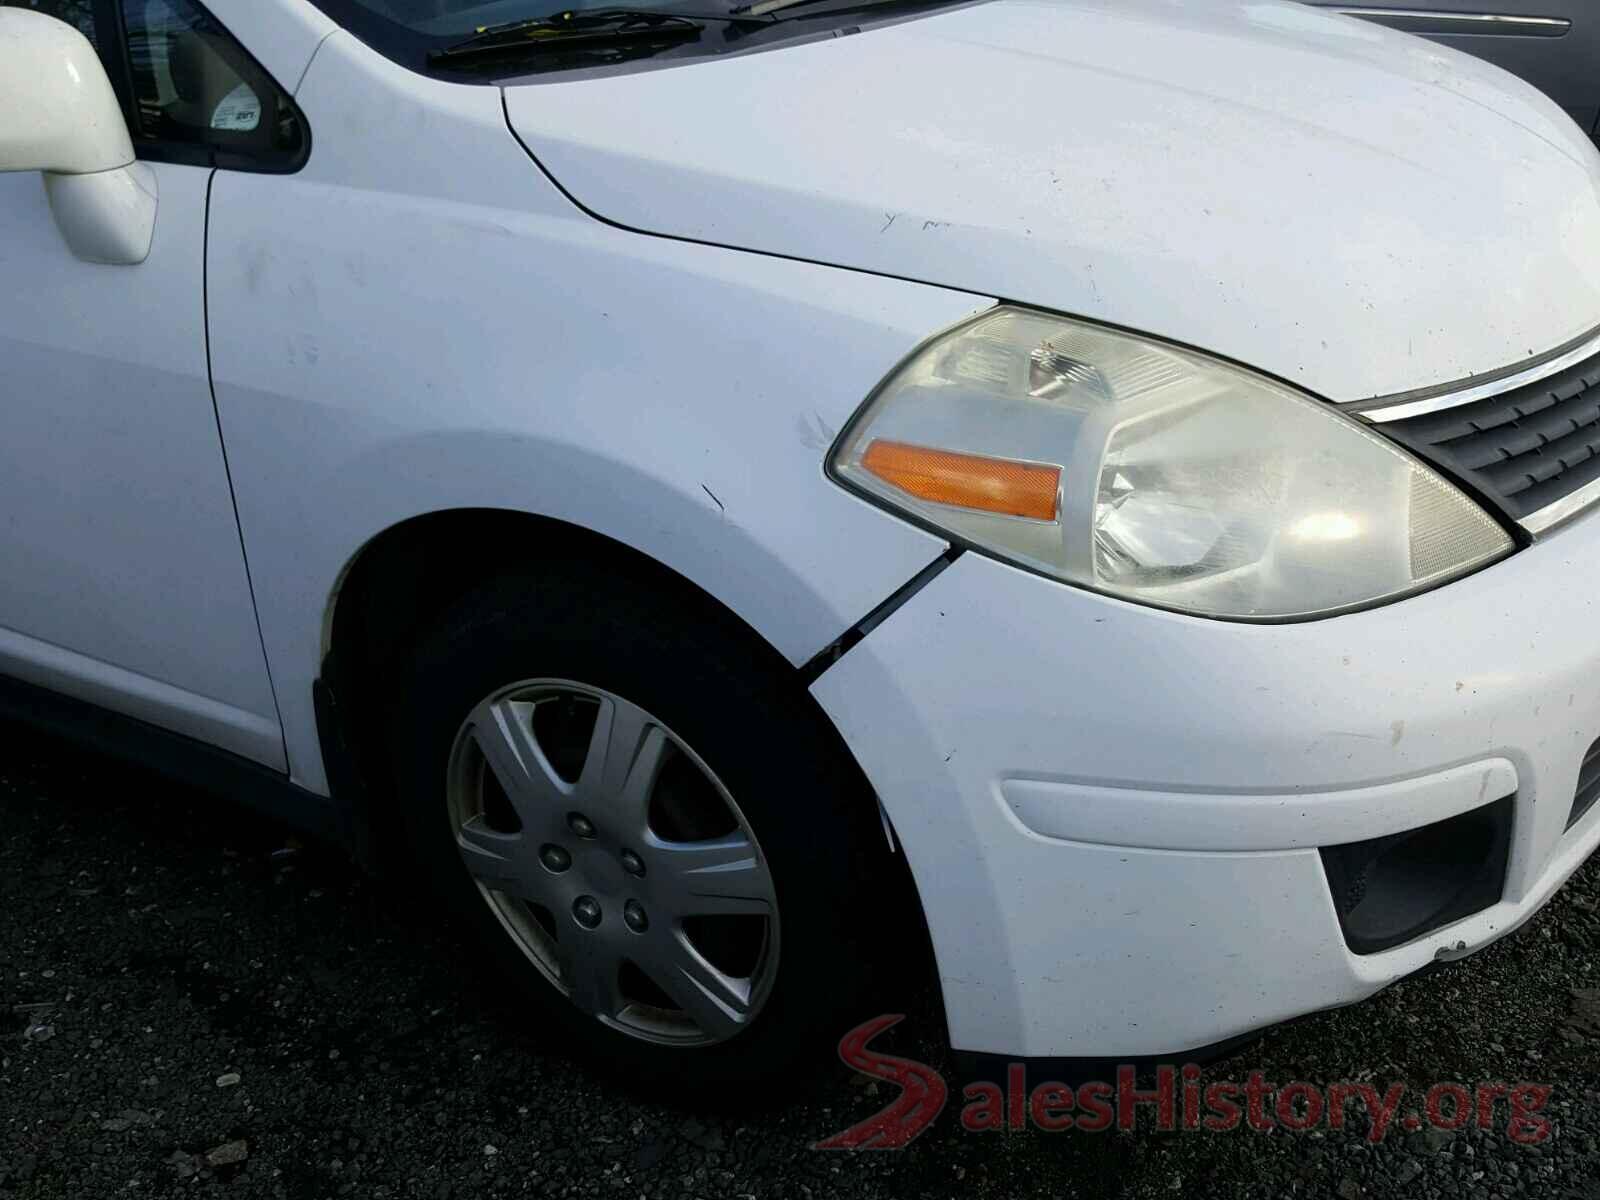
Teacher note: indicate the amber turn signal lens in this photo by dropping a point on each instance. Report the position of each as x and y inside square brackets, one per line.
[996, 485]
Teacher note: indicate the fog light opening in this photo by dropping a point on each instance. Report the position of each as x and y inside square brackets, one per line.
[1394, 889]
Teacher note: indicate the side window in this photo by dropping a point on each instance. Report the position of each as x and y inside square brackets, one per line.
[191, 92]
[192, 85]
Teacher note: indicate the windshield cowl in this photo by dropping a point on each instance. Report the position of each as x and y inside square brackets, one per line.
[487, 41]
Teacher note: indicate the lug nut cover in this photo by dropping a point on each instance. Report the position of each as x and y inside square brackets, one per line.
[632, 863]
[580, 825]
[555, 858]
[586, 911]
[634, 917]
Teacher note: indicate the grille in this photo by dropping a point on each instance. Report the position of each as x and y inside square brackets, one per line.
[1523, 449]
[1588, 785]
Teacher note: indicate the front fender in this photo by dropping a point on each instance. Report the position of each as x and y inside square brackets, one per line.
[414, 324]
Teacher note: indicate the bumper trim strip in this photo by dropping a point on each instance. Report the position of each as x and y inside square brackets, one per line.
[1249, 822]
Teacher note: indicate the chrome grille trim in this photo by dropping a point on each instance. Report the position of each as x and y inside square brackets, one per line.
[1486, 387]
[1426, 21]
[1567, 507]
[1479, 387]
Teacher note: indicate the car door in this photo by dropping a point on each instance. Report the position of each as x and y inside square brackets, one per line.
[123, 581]
[1553, 44]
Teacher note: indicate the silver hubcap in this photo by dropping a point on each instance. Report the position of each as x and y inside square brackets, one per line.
[617, 861]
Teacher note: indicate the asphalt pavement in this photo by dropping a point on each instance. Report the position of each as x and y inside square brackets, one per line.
[191, 1002]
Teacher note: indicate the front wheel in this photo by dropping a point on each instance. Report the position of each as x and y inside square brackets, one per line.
[646, 824]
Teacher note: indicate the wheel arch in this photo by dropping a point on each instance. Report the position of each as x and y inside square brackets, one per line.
[408, 573]
[384, 599]
[406, 576]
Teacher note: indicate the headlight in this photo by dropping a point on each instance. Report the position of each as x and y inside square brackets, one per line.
[1156, 474]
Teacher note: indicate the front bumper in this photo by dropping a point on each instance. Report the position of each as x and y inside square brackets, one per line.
[1114, 814]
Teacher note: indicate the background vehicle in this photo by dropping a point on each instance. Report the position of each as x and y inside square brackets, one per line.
[1553, 44]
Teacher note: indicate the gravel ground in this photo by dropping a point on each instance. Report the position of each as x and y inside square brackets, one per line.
[192, 1008]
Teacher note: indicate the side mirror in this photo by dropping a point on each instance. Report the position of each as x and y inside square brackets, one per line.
[59, 115]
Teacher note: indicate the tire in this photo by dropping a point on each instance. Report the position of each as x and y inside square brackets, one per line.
[726, 720]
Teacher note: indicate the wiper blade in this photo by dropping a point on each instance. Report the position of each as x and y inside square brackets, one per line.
[564, 30]
[761, 8]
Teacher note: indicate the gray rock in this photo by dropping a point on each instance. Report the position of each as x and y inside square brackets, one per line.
[228, 1153]
[1434, 1140]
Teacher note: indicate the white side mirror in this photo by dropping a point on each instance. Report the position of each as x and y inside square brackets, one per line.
[59, 115]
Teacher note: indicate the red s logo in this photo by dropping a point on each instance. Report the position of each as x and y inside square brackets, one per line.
[921, 1099]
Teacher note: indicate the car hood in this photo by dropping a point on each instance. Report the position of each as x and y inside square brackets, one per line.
[1352, 209]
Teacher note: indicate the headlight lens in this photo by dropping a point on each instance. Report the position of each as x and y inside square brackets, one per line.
[1156, 474]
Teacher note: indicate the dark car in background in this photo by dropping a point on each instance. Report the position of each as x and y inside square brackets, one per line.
[1553, 44]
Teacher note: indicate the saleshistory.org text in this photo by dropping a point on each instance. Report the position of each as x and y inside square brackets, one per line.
[1171, 1099]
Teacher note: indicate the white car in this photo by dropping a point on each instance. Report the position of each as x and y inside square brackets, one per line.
[719, 493]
